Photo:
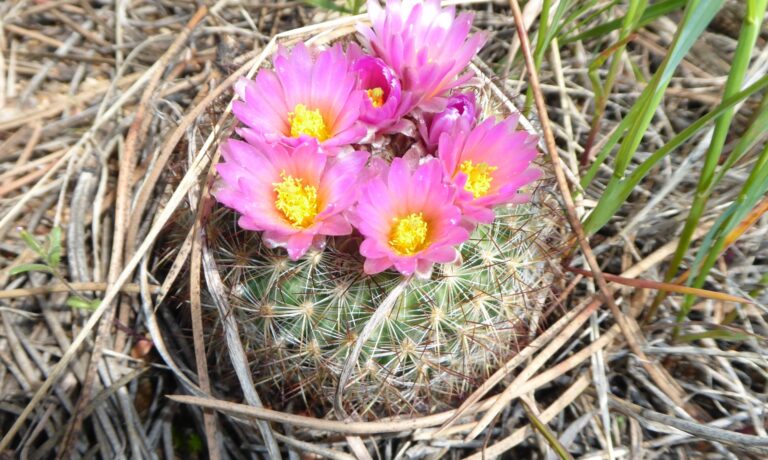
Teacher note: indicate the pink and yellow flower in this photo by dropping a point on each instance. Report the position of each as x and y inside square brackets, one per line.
[427, 46]
[382, 107]
[296, 196]
[305, 98]
[459, 114]
[489, 165]
[408, 219]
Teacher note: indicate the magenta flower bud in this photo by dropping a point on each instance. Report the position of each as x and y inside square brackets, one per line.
[459, 114]
[380, 107]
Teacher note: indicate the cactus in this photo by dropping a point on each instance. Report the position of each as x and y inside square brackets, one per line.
[324, 325]
[445, 335]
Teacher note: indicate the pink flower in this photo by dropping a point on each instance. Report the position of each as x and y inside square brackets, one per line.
[489, 165]
[295, 195]
[305, 98]
[382, 107]
[459, 114]
[408, 219]
[427, 46]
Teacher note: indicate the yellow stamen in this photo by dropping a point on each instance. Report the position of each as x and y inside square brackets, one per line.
[296, 201]
[376, 95]
[479, 177]
[409, 234]
[309, 122]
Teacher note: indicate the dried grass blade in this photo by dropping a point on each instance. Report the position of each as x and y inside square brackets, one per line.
[519, 435]
[542, 428]
[667, 287]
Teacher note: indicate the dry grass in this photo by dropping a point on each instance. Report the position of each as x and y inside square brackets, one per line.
[104, 106]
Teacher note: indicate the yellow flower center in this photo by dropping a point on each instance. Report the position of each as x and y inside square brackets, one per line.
[296, 201]
[309, 122]
[409, 234]
[376, 95]
[479, 177]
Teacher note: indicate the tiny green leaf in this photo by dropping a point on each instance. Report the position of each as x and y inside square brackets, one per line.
[328, 5]
[23, 268]
[31, 242]
[83, 304]
[718, 334]
[54, 247]
[194, 443]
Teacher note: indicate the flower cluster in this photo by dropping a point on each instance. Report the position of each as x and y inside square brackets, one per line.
[306, 166]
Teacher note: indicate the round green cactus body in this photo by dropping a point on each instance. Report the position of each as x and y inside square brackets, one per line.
[443, 337]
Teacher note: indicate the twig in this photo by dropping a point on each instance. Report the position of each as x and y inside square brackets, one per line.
[60, 287]
[196, 313]
[313, 448]
[406, 424]
[666, 287]
[751, 443]
[546, 416]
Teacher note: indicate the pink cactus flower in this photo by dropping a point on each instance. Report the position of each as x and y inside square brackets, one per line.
[309, 96]
[459, 114]
[295, 196]
[408, 219]
[426, 45]
[489, 165]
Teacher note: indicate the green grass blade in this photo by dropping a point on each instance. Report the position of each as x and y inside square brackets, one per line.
[551, 438]
[619, 190]
[756, 130]
[747, 38]
[555, 26]
[754, 188]
[328, 5]
[573, 17]
[698, 14]
[631, 20]
[538, 52]
[548, 29]
[652, 13]
[717, 334]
